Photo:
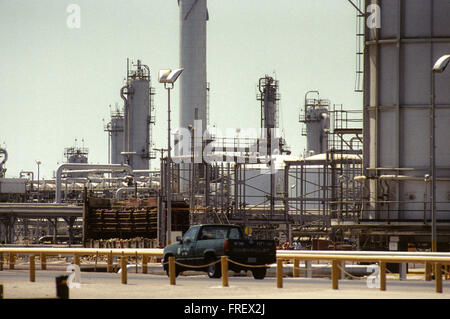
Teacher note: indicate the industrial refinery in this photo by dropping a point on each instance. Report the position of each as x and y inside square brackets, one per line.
[374, 176]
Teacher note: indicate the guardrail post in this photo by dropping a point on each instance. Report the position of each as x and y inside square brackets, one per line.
[296, 271]
[1, 291]
[382, 266]
[43, 261]
[279, 273]
[32, 269]
[308, 266]
[224, 264]
[172, 270]
[438, 277]
[12, 258]
[123, 262]
[1, 261]
[144, 264]
[427, 271]
[109, 262]
[335, 273]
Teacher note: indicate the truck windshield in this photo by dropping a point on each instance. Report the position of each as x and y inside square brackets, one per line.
[218, 232]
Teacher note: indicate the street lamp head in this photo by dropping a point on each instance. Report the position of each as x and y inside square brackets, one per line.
[169, 76]
[38, 162]
[441, 63]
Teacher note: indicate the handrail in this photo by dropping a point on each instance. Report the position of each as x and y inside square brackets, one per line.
[336, 257]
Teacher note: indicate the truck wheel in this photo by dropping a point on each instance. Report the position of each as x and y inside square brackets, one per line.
[215, 270]
[259, 273]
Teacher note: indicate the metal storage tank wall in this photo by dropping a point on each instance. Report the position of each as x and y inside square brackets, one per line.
[139, 111]
[193, 16]
[399, 57]
[192, 83]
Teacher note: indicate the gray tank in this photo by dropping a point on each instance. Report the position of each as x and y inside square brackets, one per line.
[399, 56]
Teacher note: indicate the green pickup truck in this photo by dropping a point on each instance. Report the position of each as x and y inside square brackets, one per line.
[204, 244]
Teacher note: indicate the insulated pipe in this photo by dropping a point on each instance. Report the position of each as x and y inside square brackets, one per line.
[126, 128]
[72, 166]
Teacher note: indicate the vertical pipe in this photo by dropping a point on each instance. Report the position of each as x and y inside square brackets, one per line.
[224, 264]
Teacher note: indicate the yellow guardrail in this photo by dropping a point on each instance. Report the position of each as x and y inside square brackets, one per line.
[433, 263]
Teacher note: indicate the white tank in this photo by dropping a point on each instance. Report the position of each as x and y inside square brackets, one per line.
[193, 16]
[399, 57]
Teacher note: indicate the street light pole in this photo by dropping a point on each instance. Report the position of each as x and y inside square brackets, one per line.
[438, 67]
[169, 86]
[168, 77]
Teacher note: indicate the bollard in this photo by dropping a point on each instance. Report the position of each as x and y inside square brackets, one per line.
[109, 263]
[144, 264]
[224, 264]
[308, 266]
[32, 269]
[335, 274]
[62, 290]
[438, 277]
[279, 273]
[296, 271]
[382, 265]
[172, 270]
[427, 271]
[123, 262]
[43, 261]
[12, 258]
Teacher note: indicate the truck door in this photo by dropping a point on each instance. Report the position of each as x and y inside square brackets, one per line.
[187, 249]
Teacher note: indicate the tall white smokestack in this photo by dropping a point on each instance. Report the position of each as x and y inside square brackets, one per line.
[193, 17]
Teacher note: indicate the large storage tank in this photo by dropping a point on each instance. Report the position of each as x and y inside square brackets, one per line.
[193, 16]
[399, 56]
[137, 117]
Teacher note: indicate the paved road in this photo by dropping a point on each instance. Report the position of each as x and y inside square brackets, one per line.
[148, 286]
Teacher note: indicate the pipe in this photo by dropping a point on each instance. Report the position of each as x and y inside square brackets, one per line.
[71, 166]
[125, 120]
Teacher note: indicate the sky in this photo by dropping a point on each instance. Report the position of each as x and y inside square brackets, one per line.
[57, 82]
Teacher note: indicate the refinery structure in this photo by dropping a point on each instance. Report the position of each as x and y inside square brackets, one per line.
[373, 178]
